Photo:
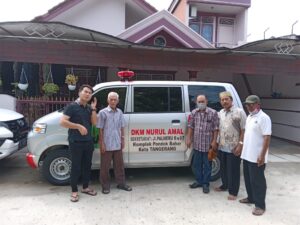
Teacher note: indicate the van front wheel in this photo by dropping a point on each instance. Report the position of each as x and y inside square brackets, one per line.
[57, 167]
[215, 169]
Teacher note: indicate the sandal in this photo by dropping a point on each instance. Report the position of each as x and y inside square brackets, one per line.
[124, 187]
[258, 211]
[105, 191]
[74, 198]
[89, 191]
[219, 189]
[245, 201]
[231, 197]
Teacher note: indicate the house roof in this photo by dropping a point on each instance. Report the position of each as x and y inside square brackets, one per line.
[173, 5]
[22, 32]
[163, 20]
[68, 4]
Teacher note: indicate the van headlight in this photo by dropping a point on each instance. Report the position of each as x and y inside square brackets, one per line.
[39, 128]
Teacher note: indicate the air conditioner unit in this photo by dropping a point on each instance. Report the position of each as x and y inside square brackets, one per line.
[193, 12]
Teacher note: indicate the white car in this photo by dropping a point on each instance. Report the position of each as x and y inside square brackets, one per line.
[13, 132]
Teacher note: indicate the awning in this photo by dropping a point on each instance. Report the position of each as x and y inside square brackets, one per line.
[287, 47]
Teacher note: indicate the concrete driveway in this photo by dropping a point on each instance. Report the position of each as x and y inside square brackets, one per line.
[159, 196]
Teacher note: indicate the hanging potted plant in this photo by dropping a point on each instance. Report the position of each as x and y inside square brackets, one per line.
[23, 83]
[49, 87]
[71, 81]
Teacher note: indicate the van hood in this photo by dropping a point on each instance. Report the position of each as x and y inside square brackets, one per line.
[9, 115]
[51, 118]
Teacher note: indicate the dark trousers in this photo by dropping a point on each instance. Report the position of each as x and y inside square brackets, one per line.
[201, 167]
[118, 164]
[230, 172]
[81, 156]
[255, 183]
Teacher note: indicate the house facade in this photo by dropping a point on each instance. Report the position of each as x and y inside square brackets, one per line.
[188, 24]
[221, 22]
[178, 44]
[110, 17]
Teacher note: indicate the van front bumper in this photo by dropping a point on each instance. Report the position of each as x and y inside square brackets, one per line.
[30, 158]
[8, 147]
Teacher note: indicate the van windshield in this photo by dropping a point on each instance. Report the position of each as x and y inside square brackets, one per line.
[211, 92]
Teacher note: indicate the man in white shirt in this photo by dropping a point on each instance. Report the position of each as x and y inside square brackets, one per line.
[255, 154]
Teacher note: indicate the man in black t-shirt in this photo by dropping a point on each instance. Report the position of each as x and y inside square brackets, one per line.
[79, 117]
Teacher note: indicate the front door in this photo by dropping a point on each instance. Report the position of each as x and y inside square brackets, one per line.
[101, 96]
[157, 125]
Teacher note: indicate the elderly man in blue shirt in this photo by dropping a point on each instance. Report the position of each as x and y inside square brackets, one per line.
[111, 141]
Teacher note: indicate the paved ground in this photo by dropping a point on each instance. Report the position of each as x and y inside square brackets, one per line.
[160, 196]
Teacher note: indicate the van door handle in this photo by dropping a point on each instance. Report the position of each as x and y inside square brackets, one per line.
[175, 121]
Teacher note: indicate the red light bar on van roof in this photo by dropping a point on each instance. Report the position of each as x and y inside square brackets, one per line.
[125, 75]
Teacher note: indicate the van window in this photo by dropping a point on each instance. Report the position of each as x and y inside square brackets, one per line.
[211, 92]
[157, 99]
[103, 93]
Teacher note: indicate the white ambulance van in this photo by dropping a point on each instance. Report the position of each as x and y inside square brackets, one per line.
[156, 114]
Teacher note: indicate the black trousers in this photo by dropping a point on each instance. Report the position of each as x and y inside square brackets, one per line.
[255, 182]
[81, 156]
[230, 172]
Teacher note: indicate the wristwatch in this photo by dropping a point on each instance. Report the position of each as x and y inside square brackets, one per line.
[94, 110]
[240, 142]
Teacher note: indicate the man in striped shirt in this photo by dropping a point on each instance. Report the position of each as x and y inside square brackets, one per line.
[203, 131]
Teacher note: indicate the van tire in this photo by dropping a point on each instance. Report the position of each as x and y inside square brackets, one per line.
[215, 168]
[56, 168]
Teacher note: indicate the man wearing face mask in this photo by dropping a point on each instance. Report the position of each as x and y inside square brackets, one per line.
[202, 130]
[257, 137]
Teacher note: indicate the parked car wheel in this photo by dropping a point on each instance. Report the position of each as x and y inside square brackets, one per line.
[57, 167]
[215, 169]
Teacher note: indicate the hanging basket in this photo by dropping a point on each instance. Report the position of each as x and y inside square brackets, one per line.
[50, 88]
[71, 87]
[71, 81]
[23, 87]
[23, 83]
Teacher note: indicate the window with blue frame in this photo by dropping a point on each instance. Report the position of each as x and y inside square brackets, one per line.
[207, 32]
[204, 25]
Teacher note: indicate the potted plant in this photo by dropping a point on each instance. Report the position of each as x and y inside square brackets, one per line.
[50, 88]
[71, 81]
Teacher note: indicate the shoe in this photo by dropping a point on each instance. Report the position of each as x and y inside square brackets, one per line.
[245, 201]
[258, 211]
[221, 188]
[205, 189]
[195, 185]
[124, 187]
[105, 191]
